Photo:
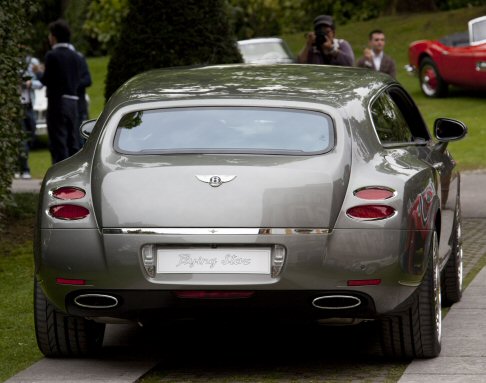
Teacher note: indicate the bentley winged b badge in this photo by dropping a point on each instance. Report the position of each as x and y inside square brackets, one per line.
[215, 181]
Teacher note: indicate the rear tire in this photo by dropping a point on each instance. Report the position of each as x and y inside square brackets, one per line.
[62, 335]
[452, 282]
[414, 331]
[431, 82]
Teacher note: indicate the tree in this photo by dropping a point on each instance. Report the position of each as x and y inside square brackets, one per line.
[104, 20]
[166, 33]
[13, 28]
[47, 11]
[255, 18]
[76, 14]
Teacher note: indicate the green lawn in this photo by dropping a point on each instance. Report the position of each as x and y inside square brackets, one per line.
[96, 92]
[18, 347]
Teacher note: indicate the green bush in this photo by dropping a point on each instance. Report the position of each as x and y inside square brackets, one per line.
[104, 20]
[255, 18]
[166, 33]
[13, 26]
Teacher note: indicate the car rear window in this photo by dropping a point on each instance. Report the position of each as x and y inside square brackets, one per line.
[224, 130]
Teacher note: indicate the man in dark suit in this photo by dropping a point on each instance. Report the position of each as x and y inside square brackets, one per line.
[61, 77]
[374, 56]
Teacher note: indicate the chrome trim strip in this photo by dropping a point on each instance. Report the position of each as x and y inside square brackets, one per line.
[217, 231]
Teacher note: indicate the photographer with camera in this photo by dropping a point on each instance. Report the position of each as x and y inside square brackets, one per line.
[322, 47]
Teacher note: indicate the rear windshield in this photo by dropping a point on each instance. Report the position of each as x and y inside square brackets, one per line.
[224, 130]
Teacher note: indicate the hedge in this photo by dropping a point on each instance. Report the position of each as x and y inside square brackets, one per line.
[14, 28]
[167, 33]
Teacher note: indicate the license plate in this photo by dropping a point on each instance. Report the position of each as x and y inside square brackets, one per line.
[214, 261]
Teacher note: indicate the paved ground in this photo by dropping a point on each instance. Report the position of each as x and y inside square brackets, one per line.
[463, 357]
[26, 186]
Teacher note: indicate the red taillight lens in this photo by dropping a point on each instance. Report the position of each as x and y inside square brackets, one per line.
[376, 193]
[196, 294]
[364, 282]
[68, 212]
[69, 192]
[371, 212]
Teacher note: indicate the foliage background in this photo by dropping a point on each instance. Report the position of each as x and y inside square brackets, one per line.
[14, 16]
[163, 33]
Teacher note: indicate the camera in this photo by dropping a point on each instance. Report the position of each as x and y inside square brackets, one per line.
[321, 38]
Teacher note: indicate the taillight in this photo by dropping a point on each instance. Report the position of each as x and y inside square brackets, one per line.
[68, 212]
[374, 193]
[371, 212]
[68, 193]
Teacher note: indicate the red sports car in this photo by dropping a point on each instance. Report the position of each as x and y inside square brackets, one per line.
[458, 59]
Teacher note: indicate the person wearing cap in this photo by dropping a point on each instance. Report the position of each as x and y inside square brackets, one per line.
[322, 46]
[374, 56]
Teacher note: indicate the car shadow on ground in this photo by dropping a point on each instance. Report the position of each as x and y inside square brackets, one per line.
[282, 351]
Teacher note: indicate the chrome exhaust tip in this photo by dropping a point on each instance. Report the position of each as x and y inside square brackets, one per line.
[96, 301]
[336, 302]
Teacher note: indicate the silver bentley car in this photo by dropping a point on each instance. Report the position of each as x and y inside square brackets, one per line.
[277, 191]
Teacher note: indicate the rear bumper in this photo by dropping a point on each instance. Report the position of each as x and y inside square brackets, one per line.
[146, 305]
[315, 264]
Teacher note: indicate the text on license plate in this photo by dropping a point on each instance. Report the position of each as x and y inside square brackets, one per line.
[217, 261]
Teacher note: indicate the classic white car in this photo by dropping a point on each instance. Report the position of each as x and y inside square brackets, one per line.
[267, 50]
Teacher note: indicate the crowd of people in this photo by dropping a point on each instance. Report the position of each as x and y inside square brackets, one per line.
[66, 76]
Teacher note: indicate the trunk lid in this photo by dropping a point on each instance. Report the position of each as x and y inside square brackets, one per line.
[267, 191]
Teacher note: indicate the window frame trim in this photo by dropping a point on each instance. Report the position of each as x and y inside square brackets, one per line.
[280, 152]
[390, 145]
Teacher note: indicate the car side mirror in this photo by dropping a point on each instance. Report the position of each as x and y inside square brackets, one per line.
[87, 127]
[446, 129]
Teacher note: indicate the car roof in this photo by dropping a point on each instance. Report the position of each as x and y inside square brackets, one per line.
[331, 85]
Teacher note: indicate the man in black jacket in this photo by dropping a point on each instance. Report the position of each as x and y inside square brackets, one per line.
[61, 77]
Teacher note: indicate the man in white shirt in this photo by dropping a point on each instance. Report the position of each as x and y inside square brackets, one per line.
[374, 56]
